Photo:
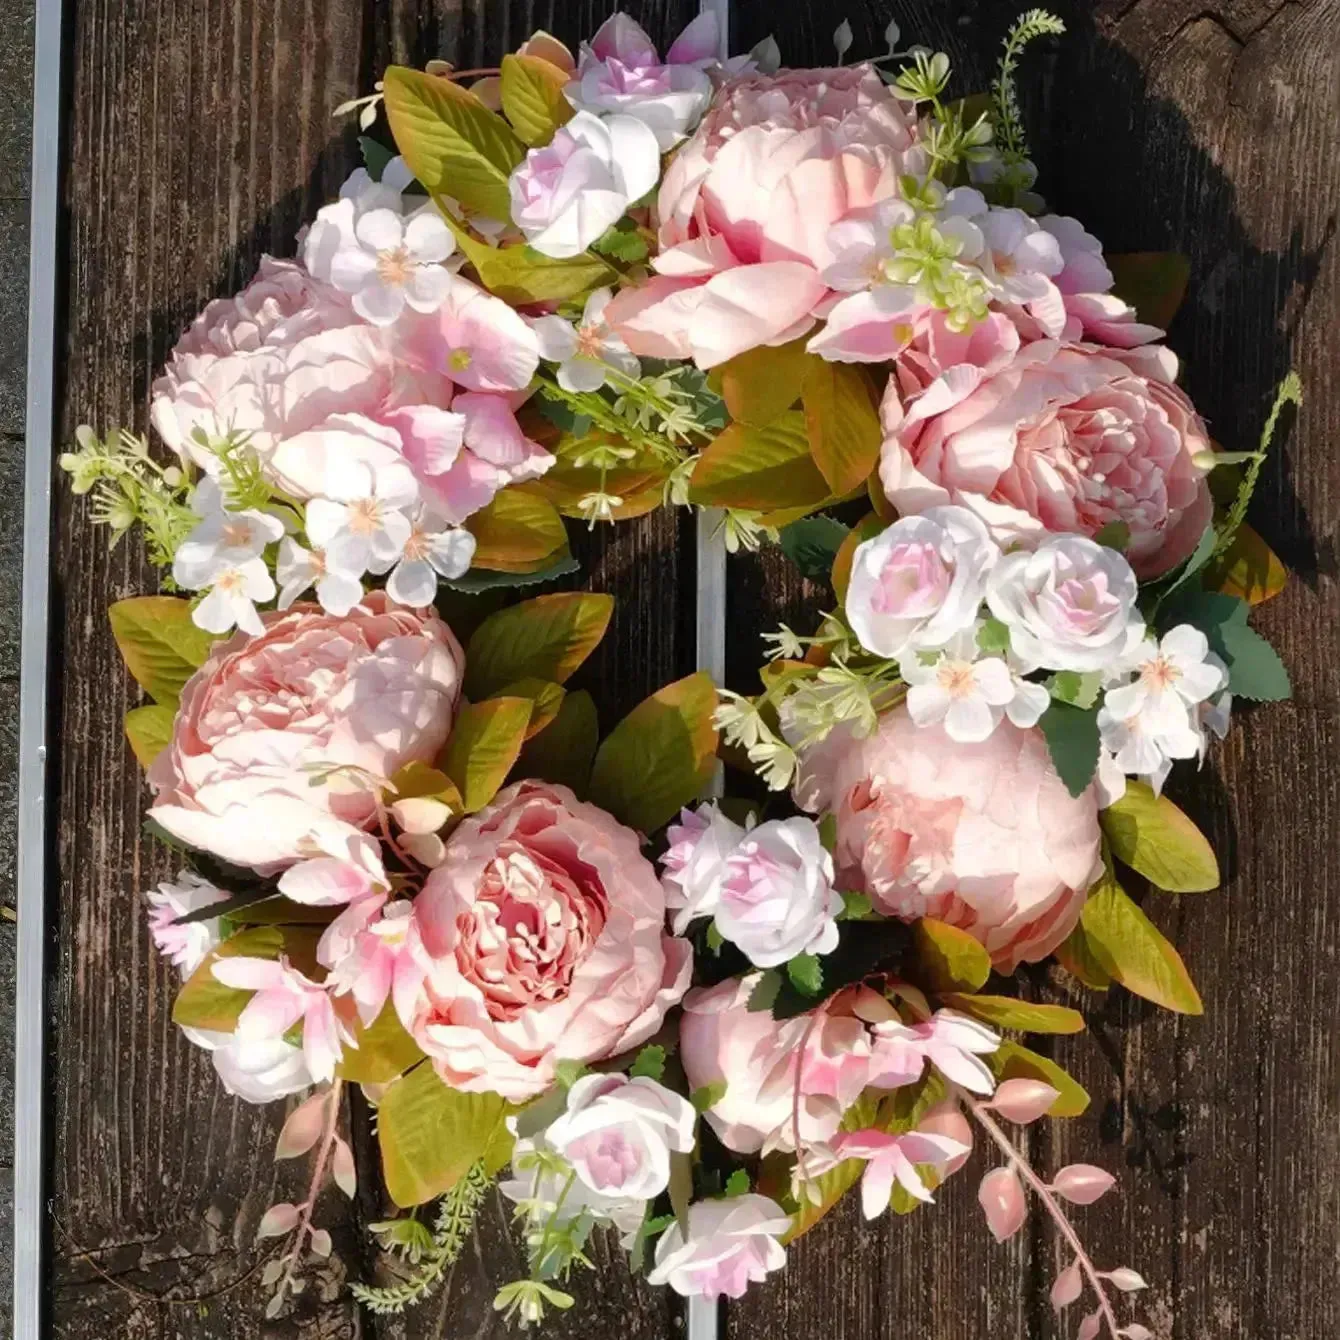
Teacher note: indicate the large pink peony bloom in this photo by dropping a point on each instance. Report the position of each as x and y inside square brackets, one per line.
[259, 721]
[984, 836]
[545, 932]
[1062, 439]
[746, 208]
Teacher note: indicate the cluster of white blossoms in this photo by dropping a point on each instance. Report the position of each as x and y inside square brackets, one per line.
[980, 637]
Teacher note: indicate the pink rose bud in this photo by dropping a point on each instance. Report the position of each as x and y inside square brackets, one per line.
[1068, 1287]
[1090, 1326]
[1082, 1183]
[1002, 1200]
[1024, 1100]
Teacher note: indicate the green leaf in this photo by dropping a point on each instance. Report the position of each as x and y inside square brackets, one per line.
[478, 580]
[1247, 568]
[453, 144]
[149, 730]
[760, 384]
[949, 959]
[660, 756]
[842, 423]
[1025, 1016]
[1012, 1061]
[568, 1071]
[1072, 740]
[432, 1135]
[375, 156]
[1153, 282]
[1255, 670]
[650, 1063]
[1152, 836]
[518, 532]
[869, 526]
[563, 751]
[546, 700]
[160, 645]
[993, 637]
[520, 275]
[1134, 952]
[1199, 557]
[1115, 535]
[1079, 690]
[384, 1051]
[856, 906]
[1076, 955]
[485, 741]
[547, 637]
[622, 242]
[532, 97]
[812, 544]
[766, 990]
[759, 468]
[708, 1096]
[806, 974]
[681, 1188]
[738, 1183]
[205, 1002]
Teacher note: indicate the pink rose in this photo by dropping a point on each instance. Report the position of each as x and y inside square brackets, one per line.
[259, 721]
[984, 835]
[545, 930]
[756, 1056]
[747, 206]
[1064, 439]
[731, 1244]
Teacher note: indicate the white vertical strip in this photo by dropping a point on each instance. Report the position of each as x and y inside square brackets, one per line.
[704, 1317]
[29, 1010]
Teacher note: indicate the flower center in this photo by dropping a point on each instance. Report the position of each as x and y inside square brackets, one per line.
[1005, 264]
[589, 342]
[1160, 674]
[231, 582]
[394, 266]
[365, 517]
[458, 360]
[955, 678]
[236, 534]
[418, 546]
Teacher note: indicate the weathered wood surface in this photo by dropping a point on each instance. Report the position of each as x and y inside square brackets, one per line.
[200, 137]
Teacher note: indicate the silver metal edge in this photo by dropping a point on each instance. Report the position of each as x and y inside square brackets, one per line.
[704, 1317]
[30, 1010]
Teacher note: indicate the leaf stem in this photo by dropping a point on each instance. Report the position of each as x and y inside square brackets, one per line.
[1021, 1165]
[304, 1225]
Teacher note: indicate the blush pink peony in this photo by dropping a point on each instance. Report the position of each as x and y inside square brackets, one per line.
[747, 206]
[984, 836]
[544, 931]
[1063, 439]
[259, 721]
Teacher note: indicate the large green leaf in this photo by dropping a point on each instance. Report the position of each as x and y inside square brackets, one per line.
[1072, 740]
[160, 645]
[760, 384]
[1024, 1016]
[544, 638]
[432, 1135]
[453, 144]
[520, 275]
[485, 741]
[660, 756]
[546, 701]
[813, 544]
[948, 959]
[1255, 670]
[1134, 952]
[384, 1051]
[518, 532]
[1152, 836]
[532, 97]
[759, 468]
[149, 730]
[842, 423]
[563, 751]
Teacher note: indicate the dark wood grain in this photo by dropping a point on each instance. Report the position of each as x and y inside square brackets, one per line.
[1212, 130]
[200, 136]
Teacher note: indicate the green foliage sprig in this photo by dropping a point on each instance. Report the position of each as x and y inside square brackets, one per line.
[1029, 26]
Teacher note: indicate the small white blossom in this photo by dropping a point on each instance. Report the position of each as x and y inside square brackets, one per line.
[361, 524]
[387, 262]
[183, 944]
[232, 599]
[954, 687]
[298, 569]
[222, 540]
[431, 550]
[1172, 677]
[586, 353]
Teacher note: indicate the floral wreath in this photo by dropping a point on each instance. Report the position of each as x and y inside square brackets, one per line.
[830, 303]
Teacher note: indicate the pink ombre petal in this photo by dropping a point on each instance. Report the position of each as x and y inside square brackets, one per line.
[1083, 1183]
[303, 1128]
[700, 41]
[749, 305]
[270, 1014]
[1001, 1197]
[249, 974]
[1067, 1288]
[324, 882]
[877, 1186]
[654, 319]
[1023, 1100]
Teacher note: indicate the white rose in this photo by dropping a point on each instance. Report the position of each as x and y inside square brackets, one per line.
[256, 1070]
[694, 864]
[619, 1133]
[777, 898]
[1069, 605]
[669, 99]
[542, 1183]
[731, 1244]
[920, 581]
[569, 193]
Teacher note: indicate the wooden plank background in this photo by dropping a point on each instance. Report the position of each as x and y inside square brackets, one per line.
[199, 137]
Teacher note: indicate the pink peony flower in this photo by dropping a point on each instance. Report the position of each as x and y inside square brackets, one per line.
[1066, 438]
[747, 206]
[984, 836]
[263, 722]
[756, 1057]
[544, 931]
[731, 1245]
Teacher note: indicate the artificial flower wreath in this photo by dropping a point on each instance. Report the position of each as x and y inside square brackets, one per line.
[831, 303]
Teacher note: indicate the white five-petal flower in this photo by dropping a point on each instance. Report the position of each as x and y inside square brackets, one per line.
[431, 550]
[968, 692]
[387, 262]
[298, 569]
[362, 523]
[586, 353]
